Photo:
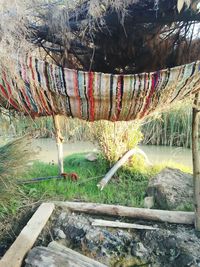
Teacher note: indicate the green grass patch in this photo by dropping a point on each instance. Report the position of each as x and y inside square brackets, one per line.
[127, 188]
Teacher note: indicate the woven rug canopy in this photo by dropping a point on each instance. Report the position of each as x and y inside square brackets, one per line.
[38, 88]
[98, 59]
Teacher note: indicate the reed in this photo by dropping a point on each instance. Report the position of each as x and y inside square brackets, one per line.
[173, 128]
[14, 158]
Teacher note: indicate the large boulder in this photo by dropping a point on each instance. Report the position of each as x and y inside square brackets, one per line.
[171, 189]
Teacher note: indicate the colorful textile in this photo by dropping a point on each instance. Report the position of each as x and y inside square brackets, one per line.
[38, 88]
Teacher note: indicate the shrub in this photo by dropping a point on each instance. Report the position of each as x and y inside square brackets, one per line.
[114, 139]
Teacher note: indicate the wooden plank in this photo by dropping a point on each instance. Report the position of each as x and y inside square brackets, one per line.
[43, 257]
[196, 159]
[114, 224]
[71, 255]
[57, 255]
[26, 239]
[180, 217]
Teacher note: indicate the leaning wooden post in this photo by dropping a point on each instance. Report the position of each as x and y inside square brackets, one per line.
[119, 163]
[196, 159]
[59, 143]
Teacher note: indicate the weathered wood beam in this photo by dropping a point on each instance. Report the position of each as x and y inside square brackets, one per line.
[196, 159]
[75, 256]
[60, 256]
[115, 224]
[179, 217]
[26, 239]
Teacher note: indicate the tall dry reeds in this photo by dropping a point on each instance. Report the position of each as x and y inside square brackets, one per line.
[173, 128]
[14, 158]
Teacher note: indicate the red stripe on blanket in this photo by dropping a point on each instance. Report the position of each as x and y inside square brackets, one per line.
[31, 67]
[119, 95]
[45, 105]
[7, 97]
[153, 86]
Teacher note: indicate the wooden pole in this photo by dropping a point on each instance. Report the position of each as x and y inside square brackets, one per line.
[59, 143]
[196, 159]
[181, 217]
[116, 224]
[117, 165]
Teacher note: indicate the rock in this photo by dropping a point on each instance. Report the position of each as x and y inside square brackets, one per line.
[60, 234]
[138, 250]
[173, 248]
[171, 189]
[148, 202]
[91, 157]
[63, 216]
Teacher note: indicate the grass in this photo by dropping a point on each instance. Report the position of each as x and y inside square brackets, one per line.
[127, 188]
[122, 190]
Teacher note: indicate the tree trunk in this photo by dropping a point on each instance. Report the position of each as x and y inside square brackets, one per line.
[196, 159]
[59, 143]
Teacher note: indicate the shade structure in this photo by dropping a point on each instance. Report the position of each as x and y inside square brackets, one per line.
[38, 88]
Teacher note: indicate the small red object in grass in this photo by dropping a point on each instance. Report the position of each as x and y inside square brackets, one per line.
[72, 176]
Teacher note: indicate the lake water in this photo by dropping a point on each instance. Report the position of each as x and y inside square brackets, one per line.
[156, 154]
[47, 150]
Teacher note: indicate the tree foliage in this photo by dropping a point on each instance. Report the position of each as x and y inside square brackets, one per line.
[126, 36]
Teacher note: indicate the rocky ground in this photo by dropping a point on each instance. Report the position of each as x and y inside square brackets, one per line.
[169, 246]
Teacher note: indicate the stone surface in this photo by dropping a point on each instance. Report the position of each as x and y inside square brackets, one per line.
[148, 202]
[170, 246]
[91, 157]
[171, 189]
[60, 234]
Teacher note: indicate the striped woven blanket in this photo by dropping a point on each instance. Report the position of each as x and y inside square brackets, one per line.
[38, 88]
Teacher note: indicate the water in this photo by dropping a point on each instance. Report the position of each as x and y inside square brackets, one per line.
[159, 154]
[156, 154]
[47, 151]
